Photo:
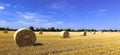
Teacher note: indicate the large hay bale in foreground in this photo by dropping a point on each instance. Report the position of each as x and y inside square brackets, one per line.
[65, 34]
[83, 33]
[40, 32]
[24, 37]
[5, 31]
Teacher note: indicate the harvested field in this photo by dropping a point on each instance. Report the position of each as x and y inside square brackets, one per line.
[50, 43]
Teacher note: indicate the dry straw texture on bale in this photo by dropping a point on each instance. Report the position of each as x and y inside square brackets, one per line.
[65, 34]
[40, 32]
[83, 33]
[24, 37]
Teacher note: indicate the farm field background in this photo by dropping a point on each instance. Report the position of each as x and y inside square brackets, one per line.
[50, 43]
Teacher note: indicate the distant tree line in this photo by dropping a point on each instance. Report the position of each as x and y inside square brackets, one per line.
[69, 29]
[110, 30]
[60, 29]
[3, 28]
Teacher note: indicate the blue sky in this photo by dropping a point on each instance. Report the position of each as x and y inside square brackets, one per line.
[76, 14]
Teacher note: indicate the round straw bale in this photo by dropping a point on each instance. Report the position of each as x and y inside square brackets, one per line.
[5, 31]
[40, 32]
[83, 33]
[24, 37]
[65, 34]
[94, 33]
[102, 32]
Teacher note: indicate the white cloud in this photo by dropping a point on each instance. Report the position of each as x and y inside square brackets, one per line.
[2, 8]
[60, 5]
[27, 15]
[17, 6]
[34, 19]
[54, 23]
[58, 22]
[99, 12]
[30, 15]
[6, 5]
[2, 22]
[23, 22]
[38, 24]
[38, 20]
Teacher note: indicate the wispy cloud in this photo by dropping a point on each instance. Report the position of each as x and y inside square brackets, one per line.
[34, 19]
[23, 19]
[6, 5]
[39, 24]
[12, 6]
[27, 15]
[99, 12]
[30, 15]
[40, 20]
[60, 5]
[2, 8]
[2, 21]
[58, 22]
[18, 6]
[26, 19]
[61, 24]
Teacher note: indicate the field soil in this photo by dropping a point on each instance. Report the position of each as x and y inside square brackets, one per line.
[50, 43]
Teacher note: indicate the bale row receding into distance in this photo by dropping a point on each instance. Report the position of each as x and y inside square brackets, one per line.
[26, 37]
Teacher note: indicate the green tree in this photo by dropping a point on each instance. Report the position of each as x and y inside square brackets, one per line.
[68, 29]
[37, 29]
[57, 29]
[51, 29]
[43, 29]
[31, 28]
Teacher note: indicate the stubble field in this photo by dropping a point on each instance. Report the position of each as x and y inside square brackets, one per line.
[50, 43]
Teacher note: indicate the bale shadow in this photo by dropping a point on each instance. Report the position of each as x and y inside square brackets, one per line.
[38, 44]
